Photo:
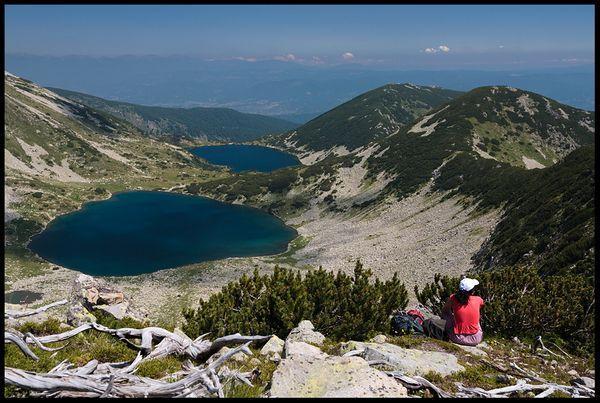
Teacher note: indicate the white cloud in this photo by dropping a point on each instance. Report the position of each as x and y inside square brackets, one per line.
[441, 48]
[245, 59]
[347, 56]
[317, 60]
[501, 46]
[287, 58]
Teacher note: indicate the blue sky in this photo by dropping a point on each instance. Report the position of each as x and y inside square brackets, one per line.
[400, 35]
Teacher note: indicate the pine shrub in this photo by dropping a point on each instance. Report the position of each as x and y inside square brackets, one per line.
[339, 305]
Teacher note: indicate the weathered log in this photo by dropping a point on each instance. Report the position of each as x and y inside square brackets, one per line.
[22, 314]
[83, 382]
[13, 338]
[417, 382]
[168, 342]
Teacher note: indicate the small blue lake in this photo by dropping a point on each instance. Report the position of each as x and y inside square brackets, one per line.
[141, 232]
[243, 157]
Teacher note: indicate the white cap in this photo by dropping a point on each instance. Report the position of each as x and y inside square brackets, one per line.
[467, 284]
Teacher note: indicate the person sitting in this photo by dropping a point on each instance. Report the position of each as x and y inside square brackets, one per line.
[460, 317]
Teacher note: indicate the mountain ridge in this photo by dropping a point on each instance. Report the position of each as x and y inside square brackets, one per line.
[204, 123]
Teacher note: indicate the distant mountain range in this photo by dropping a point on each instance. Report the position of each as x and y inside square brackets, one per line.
[211, 124]
[272, 87]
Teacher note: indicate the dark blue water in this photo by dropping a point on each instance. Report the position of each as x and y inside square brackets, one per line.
[141, 232]
[21, 297]
[242, 157]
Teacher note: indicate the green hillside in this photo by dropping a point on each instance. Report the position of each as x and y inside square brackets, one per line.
[212, 124]
[549, 217]
[369, 117]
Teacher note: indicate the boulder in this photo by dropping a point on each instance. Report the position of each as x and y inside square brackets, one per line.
[119, 311]
[91, 295]
[332, 376]
[273, 346]
[409, 361]
[111, 297]
[380, 338]
[295, 349]
[305, 333]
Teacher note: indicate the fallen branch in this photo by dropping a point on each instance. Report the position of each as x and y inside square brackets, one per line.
[13, 338]
[62, 381]
[417, 382]
[539, 343]
[22, 314]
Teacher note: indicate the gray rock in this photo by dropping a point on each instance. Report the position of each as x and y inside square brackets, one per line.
[119, 311]
[573, 373]
[305, 333]
[294, 349]
[332, 376]
[411, 361]
[585, 381]
[273, 346]
[380, 338]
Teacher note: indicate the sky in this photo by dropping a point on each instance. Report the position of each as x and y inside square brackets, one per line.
[384, 35]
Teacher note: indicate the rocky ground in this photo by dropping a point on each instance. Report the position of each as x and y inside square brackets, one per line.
[417, 237]
[309, 364]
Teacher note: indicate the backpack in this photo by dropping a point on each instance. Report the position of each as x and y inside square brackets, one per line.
[407, 323]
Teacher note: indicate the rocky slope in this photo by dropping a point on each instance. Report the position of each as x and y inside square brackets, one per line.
[208, 124]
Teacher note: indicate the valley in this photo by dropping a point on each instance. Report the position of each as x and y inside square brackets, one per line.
[377, 183]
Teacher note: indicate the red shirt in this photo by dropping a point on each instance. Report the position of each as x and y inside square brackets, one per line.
[466, 317]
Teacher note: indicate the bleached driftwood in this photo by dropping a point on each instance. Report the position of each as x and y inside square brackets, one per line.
[84, 382]
[10, 337]
[22, 314]
[96, 379]
[167, 342]
[418, 382]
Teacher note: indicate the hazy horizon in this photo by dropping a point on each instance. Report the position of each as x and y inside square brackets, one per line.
[390, 36]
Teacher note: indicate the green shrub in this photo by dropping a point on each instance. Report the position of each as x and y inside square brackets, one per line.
[106, 319]
[159, 367]
[339, 305]
[49, 326]
[522, 302]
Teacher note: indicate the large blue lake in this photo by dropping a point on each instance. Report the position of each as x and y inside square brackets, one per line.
[142, 231]
[243, 157]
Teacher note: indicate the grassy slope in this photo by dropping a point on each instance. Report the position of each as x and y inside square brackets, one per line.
[369, 116]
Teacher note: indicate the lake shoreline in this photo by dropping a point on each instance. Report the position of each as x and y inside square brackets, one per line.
[146, 225]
